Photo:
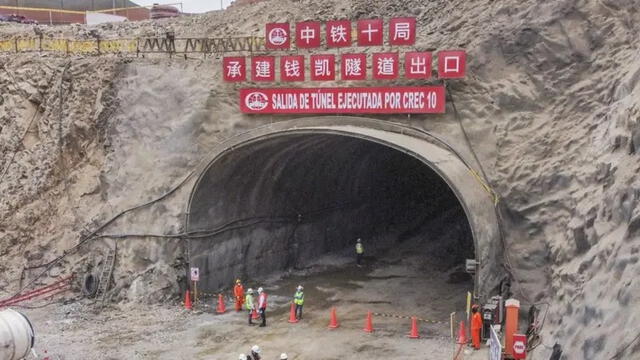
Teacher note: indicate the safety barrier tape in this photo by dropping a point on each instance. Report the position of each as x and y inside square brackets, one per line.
[409, 317]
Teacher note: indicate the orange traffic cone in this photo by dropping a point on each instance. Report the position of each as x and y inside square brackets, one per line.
[220, 309]
[414, 328]
[255, 315]
[187, 301]
[368, 324]
[462, 334]
[334, 319]
[292, 314]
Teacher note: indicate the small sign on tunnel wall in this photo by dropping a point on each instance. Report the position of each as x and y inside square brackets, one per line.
[195, 274]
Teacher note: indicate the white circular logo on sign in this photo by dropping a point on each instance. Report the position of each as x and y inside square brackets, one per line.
[278, 36]
[256, 101]
[518, 347]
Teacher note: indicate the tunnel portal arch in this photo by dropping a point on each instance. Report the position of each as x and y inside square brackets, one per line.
[474, 197]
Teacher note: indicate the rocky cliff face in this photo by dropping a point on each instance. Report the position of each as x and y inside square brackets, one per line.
[551, 107]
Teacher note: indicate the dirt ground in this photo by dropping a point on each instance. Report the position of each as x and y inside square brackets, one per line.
[400, 284]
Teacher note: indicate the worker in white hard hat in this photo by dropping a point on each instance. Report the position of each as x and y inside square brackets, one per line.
[248, 303]
[359, 252]
[255, 352]
[242, 357]
[262, 306]
[283, 356]
[298, 299]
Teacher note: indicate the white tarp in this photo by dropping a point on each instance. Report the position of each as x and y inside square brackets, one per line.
[495, 348]
[94, 18]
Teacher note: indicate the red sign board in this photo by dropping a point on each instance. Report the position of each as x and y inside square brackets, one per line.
[519, 346]
[292, 68]
[338, 33]
[308, 34]
[374, 100]
[234, 68]
[263, 68]
[452, 64]
[353, 67]
[370, 32]
[417, 65]
[385, 65]
[402, 31]
[323, 67]
[278, 36]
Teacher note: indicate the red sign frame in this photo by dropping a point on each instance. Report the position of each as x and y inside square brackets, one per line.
[346, 24]
[446, 62]
[366, 100]
[397, 34]
[269, 37]
[272, 66]
[301, 41]
[242, 68]
[331, 67]
[363, 67]
[366, 37]
[408, 64]
[284, 70]
[375, 66]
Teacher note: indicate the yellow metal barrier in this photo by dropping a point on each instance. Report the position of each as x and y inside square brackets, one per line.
[7, 46]
[54, 45]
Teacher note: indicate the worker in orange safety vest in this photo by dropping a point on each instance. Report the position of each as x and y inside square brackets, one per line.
[238, 292]
[476, 326]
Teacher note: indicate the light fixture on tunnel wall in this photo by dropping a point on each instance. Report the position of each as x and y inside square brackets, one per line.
[470, 266]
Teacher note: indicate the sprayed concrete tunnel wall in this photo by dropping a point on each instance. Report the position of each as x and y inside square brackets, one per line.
[279, 195]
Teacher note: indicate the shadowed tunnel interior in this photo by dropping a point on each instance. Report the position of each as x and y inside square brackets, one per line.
[280, 202]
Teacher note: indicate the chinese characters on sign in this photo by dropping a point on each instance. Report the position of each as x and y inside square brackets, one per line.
[384, 66]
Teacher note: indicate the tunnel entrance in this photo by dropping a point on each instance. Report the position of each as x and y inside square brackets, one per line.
[279, 198]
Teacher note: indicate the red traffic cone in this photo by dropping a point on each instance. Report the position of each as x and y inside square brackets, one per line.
[368, 324]
[414, 328]
[255, 315]
[292, 314]
[333, 323]
[187, 301]
[220, 309]
[462, 334]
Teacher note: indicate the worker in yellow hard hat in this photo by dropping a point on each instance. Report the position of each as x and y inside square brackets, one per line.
[238, 292]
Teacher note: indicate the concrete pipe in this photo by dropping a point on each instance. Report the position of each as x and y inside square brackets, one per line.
[16, 335]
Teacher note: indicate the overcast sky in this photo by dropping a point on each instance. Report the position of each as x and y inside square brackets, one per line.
[190, 6]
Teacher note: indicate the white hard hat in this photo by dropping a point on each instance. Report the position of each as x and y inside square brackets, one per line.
[359, 239]
[260, 290]
[242, 357]
[300, 287]
[283, 356]
[255, 349]
[249, 290]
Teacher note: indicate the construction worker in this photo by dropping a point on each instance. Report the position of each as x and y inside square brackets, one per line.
[298, 299]
[283, 356]
[255, 353]
[476, 326]
[262, 306]
[248, 303]
[359, 252]
[238, 292]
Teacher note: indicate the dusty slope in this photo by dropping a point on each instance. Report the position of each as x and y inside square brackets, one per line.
[552, 106]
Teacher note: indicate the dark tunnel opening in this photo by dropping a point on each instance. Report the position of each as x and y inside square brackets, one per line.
[286, 200]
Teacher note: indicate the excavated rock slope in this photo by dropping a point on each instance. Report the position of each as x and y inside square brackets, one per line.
[551, 106]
